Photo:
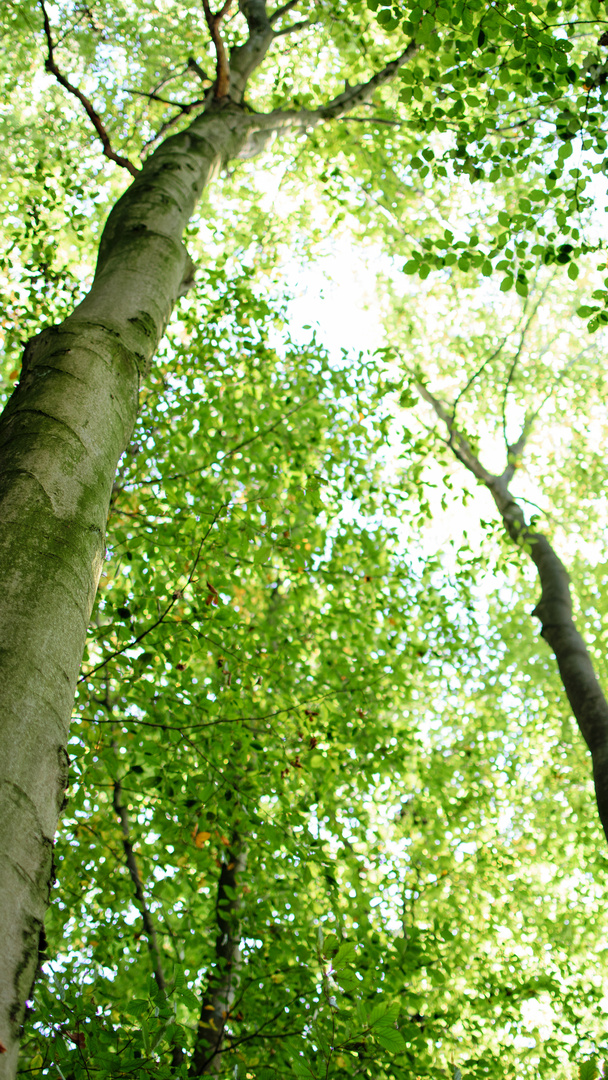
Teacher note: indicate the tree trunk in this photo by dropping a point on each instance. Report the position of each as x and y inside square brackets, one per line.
[67, 424]
[224, 980]
[554, 609]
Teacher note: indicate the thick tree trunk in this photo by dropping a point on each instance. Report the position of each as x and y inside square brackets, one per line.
[61, 435]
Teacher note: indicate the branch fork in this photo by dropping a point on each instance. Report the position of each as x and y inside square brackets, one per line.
[221, 89]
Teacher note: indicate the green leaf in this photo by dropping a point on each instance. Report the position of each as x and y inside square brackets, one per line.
[301, 1068]
[426, 28]
[391, 1040]
[588, 1070]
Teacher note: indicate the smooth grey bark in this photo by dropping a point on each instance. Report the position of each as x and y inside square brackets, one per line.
[554, 609]
[61, 436]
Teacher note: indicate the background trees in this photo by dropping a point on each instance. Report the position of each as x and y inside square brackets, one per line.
[310, 770]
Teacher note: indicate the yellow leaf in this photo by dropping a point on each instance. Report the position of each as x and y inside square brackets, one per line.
[201, 838]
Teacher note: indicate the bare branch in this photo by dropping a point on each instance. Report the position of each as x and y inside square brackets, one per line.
[194, 66]
[294, 28]
[184, 110]
[188, 107]
[94, 117]
[169, 78]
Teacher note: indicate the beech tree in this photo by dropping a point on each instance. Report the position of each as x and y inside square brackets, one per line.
[74, 409]
[78, 392]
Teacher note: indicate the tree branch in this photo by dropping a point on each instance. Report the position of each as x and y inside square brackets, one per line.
[133, 869]
[94, 117]
[224, 980]
[294, 28]
[476, 374]
[165, 127]
[282, 10]
[222, 78]
[194, 66]
[554, 609]
[187, 108]
[362, 92]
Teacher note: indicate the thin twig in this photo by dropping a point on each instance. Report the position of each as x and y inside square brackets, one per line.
[522, 341]
[188, 107]
[94, 117]
[316, 699]
[371, 120]
[176, 596]
[164, 128]
[239, 446]
[477, 373]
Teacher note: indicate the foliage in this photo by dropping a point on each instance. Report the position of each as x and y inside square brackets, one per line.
[277, 665]
[264, 673]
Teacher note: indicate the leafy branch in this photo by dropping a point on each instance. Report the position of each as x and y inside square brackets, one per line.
[91, 112]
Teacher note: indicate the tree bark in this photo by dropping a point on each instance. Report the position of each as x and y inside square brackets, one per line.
[61, 436]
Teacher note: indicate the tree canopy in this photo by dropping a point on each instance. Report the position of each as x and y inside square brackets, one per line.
[329, 811]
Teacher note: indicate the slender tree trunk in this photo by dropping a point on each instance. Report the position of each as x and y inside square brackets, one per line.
[554, 609]
[224, 980]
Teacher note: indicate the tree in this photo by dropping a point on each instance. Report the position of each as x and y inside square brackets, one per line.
[60, 500]
[74, 409]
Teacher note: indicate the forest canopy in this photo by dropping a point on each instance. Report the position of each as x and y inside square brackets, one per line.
[304, 761]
